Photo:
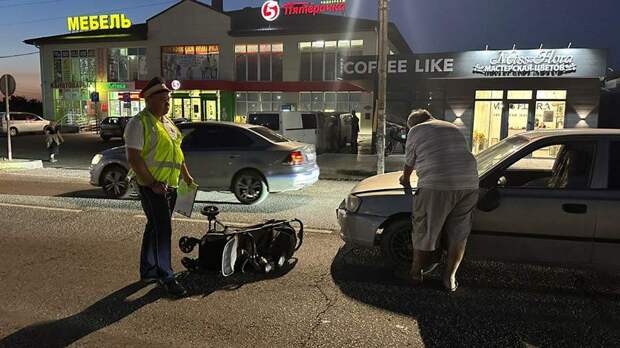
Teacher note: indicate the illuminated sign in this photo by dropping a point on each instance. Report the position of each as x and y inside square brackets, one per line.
[116, 85]
[515, 63]
[87, 23]
[548, 63]
[271, 9]
[176, 84]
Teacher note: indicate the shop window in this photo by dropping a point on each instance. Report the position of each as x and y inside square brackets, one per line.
[482, 94]
[248, 102]
[305, 101]
[191, 62]
[319, 59]
[75, 66]
[127, 64]
[522, 95]
[330, 101]
[259, 62]
[551, 94]
[487, 125]
[550, 114]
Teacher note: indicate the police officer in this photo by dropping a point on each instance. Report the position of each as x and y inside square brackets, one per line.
[154, 154]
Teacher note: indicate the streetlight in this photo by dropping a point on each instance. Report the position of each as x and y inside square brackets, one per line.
[383, 55]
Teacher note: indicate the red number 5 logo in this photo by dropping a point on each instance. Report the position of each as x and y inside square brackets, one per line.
[270, 10]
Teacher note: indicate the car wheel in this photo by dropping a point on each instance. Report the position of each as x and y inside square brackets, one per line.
[114, 181]
[396, 244]
[14, 132]
[250, 187]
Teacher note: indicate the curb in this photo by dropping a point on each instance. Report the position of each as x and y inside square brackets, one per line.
[15, 164]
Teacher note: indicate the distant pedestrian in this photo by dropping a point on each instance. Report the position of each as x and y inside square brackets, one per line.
[355, 130]
[446, 196]
[53, 140]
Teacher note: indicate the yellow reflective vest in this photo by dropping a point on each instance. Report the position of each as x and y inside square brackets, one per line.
[161, 153]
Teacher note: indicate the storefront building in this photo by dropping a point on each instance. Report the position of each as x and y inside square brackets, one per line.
[493, 94]
[283, 56]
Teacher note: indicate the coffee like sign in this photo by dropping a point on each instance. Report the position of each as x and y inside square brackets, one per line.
[512, 64]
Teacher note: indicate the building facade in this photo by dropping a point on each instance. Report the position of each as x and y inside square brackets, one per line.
[227, 64]
[493, 94]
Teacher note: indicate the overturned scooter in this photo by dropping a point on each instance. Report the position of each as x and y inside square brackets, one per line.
[266, 247]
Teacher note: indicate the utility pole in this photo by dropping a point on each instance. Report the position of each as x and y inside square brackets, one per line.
[382, 92]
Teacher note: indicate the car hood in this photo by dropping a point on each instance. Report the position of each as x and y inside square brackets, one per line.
[383, 182]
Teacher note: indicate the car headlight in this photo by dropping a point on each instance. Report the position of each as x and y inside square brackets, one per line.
[96, 159]
[353, 203]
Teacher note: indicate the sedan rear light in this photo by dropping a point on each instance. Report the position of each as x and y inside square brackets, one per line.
[295, 158]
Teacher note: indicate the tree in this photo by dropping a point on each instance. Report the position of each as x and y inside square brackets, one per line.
[19, 103]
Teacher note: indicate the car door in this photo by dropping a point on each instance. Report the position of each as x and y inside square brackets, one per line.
[199, 155]
[543, 220]
[214, 153]
[18, 121]
[606, 244]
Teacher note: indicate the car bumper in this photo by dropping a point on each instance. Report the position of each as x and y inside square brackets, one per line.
[358, 229]
[95, 174]
[293, 181]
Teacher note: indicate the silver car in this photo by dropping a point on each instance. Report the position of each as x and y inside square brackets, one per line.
[547, 197]
[250, 161]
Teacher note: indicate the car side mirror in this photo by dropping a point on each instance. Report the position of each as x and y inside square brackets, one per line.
[489, 200]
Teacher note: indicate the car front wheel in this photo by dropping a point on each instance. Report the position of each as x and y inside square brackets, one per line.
[14, 132]
[396, 244]
[250, 187]
[114, 181]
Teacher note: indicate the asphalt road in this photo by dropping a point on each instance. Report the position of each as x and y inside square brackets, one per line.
[69, 277]
[69, 270]
[315, 205]
[76, 152]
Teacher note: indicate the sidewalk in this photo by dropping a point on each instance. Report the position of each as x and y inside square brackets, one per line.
[338, 166]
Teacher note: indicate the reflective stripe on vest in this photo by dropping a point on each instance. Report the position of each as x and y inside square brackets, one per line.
[162, 154]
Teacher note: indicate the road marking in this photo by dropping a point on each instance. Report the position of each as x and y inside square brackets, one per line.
[237, 224]
[41, 208]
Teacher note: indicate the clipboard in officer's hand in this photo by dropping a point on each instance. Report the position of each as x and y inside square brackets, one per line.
[186, 195]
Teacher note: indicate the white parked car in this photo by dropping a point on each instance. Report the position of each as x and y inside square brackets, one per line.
[23, 122]
[549, 197]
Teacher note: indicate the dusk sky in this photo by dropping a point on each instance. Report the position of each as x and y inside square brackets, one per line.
[428, 25]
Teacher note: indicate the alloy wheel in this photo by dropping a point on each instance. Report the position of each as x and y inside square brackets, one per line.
[250, 187]
[114, 183]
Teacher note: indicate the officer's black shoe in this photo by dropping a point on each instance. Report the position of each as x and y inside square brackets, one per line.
[174, 288]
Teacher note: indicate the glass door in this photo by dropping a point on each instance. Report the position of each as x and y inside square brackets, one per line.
[518, 116]
[210, 108]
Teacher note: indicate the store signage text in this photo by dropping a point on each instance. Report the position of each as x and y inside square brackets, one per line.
[87, 23]
[116, 85]
[434, 65]
[271, 9]
[514, 64]
[370, 67]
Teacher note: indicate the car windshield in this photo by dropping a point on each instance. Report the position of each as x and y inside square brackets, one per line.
[269, 134]
[488, 158]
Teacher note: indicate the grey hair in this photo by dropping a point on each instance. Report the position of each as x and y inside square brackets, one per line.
[418, 116]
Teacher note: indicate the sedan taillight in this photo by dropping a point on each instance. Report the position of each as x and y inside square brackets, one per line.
[295, 158]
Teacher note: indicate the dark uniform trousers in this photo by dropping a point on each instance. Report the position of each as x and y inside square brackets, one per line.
[155, 257]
